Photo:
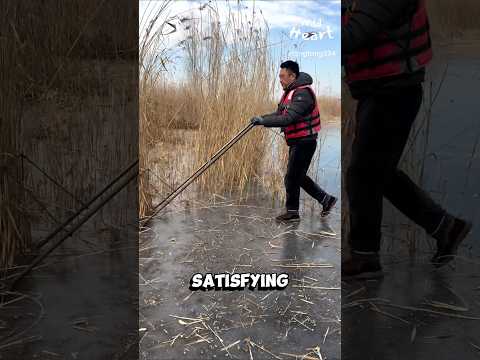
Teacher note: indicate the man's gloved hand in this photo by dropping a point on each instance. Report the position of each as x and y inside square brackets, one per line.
[256, 120]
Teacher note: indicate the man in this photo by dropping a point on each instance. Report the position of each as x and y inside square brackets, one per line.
[299, 117]
[386, 46]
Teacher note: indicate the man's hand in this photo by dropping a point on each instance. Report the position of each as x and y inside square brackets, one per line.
[256, 120]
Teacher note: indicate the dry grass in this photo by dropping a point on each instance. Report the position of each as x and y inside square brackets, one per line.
[454, 18]
[80, 30]
[230, 79]
[348, 134]
[310, 305]
[330, 107]
[13, 227]
[75, 82]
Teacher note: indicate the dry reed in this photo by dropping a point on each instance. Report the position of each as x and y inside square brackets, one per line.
[457, 19]
[228, 77]
[75, 97]
[14, 228]
[228, 80]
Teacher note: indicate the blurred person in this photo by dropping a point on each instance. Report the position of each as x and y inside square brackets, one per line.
[386, 46]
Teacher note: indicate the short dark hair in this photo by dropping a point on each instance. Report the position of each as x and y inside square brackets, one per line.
[292, 66]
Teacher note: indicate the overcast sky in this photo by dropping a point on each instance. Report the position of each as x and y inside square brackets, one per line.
[318, 55]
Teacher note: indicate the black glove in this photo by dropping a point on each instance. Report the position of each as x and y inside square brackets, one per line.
[256, 120]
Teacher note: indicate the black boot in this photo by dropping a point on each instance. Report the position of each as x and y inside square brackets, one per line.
[289, 216]
[450, 233]
[328, 203]
[362, 266]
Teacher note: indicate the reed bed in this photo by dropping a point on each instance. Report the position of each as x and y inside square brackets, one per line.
[458, 19]
[71, 98]
[228, 79]
[330, 107]
[13, 227]
[235, 81]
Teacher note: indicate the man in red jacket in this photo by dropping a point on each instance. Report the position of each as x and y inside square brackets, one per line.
[385, 48]
[299, 117]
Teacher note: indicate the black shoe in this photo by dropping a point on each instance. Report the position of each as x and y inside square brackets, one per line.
[328, 203]
[449, 237]
[362, 267]
[289, 216]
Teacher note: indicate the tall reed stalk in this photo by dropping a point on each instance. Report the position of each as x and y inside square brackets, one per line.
[228, 77]
[14, 228]
[68, 100]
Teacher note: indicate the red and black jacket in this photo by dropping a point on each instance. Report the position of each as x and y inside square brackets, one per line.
[298, 113]
[402, 47]
[306, 125]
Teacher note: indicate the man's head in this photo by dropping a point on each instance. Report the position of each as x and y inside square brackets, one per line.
[288, 73]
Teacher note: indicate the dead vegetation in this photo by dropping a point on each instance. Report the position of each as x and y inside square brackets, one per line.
[454, 19]
[69, 104]
[249, 324]
[60, 109]
[227, 79]
[226, 76]
[14, 229]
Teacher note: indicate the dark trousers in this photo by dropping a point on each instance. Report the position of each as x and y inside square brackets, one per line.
[299, 159]
[383, 126]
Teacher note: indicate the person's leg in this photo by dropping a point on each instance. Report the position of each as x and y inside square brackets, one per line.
[292, 189]
[373, 173]
[448, 230]
[417, 204]
[414, 202]
[383, 127]
[300, 156]
[314, 190]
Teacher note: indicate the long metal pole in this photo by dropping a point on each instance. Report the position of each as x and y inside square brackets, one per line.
[85, 206]
[197, 173]
[73, 229]
[158, 207]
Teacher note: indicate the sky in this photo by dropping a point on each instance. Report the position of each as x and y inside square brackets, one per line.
[305, 31]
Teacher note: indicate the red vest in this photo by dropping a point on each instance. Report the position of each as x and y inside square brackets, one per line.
[398, 51]
[308, 125]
